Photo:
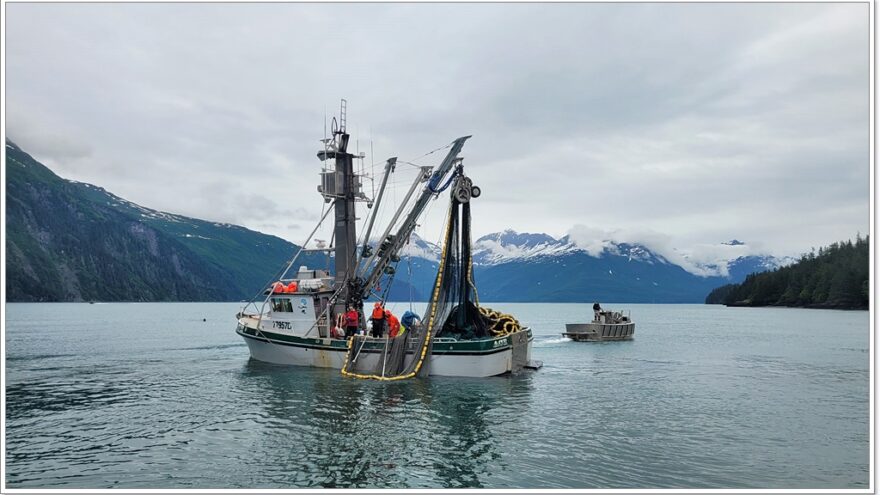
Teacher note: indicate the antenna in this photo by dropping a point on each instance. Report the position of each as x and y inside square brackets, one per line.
[326, 148]
[360, 156]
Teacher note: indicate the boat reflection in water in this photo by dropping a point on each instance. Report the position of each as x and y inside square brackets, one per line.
[320, 429]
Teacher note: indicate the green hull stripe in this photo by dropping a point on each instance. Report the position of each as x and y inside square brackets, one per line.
[480, 347]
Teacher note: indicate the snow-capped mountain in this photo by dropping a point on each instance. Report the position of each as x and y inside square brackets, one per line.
[507, 246]
[515, 266]
[632, 252]
[420, 248]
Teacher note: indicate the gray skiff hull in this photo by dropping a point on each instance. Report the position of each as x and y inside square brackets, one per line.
[599, 331]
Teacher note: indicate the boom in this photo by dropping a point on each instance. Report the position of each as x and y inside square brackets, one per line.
[391, 244]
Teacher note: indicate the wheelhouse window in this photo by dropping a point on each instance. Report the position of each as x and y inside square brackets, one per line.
[282, 305]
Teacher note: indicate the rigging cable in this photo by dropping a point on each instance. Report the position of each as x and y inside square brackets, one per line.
[432, 152]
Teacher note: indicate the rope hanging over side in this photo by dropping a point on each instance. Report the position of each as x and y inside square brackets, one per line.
[421, 335]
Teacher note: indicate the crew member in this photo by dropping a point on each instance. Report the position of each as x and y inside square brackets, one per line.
[408, 320]
[596, 310]
[351, 321]
[378, 318]
[393, 323]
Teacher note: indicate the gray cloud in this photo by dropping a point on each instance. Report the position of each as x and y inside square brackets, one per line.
[701, 121]
[55, 140]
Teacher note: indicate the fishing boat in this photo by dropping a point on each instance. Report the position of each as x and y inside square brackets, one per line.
[606, 325]
[294, 319]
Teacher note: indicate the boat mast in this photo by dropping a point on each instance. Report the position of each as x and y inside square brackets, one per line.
[342, 185]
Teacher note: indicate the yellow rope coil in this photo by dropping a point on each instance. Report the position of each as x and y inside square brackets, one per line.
[500, 324]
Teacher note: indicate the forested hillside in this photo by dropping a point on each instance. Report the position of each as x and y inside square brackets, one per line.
[834, 277]
[70, 241]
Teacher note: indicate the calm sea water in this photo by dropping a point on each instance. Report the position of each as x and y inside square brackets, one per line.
[149, 395]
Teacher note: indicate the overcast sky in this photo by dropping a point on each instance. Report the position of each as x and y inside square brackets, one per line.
[682, 124]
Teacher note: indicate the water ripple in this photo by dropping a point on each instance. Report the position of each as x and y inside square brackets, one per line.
[689, 405]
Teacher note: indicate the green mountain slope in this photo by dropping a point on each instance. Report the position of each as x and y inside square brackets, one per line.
[69, 241]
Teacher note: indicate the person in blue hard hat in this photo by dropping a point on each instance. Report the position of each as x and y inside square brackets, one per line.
[408, 320]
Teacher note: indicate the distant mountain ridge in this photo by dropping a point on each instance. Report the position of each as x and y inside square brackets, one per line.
[71, 241]
[514, 266]
[509, 245]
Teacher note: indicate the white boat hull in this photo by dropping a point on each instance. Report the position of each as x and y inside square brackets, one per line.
[496, 357]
